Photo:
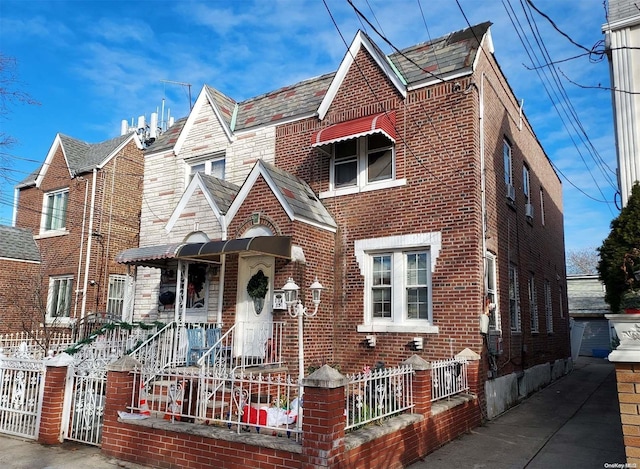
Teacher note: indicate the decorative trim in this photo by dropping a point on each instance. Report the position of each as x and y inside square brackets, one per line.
[264, 220]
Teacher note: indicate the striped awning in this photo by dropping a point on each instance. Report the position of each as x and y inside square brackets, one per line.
[384, 123]
[161, 255]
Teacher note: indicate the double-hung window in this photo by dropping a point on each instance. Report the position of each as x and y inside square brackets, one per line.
[54, 212]
[533, 304]
[514, 302]
[397, 282]
[508, 168]
[212, 165]
[59, 299]
[360, 162]
[548, 306]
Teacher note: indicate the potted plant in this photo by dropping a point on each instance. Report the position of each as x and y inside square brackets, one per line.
[630, 302]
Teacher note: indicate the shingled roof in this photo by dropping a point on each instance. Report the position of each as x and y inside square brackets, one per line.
[18, 244]
[221, 191]
[454, 53]
[81, 156]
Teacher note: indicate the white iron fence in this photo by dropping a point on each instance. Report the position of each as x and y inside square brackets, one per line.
[21, 391]
[240, 401]
[448, 377]
[374, 395]
[34, 344]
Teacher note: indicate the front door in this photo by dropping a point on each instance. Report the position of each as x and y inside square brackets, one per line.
[254, 309]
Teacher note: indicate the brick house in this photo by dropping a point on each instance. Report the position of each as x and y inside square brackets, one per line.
[82, 206]
[411, 186]
[19, 259]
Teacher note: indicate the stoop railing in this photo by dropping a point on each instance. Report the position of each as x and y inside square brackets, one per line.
[242, 402]
[374, 395]
[448, 377]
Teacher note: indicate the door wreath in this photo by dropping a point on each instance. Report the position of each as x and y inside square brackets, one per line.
[257, 289]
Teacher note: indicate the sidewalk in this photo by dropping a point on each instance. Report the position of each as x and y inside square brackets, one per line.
[572, 423]
[17, 453]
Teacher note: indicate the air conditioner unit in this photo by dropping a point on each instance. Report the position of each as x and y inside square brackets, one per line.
[528, 210]
[511, 192]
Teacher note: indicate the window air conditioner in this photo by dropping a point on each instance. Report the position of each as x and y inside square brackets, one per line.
[528, 210]
[511, 192]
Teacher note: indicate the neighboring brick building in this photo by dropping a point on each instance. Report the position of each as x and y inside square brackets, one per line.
[412, 186]
[82, 206]
[19, 259]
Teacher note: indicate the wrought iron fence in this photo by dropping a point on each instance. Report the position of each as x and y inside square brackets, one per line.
[21, 392]
[448, 377]
[374, 395]
[261, 403]
[33, 344]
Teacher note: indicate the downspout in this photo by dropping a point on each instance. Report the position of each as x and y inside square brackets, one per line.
[483, 181]
[84, 221]
[87, 263]
[223, 263]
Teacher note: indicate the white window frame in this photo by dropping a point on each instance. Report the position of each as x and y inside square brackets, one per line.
[526, 184]
[116, 293]
[491, 284]
[361, 157]
[397, 247]
[507, 155]
[548, 305]
[49, 205]
[542, 217]
[533, 304]
[514, 300]
[208, 163]
[53, 296]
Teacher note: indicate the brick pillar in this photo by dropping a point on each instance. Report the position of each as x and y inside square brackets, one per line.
[323, 423]
[628, 378]
[120, 382]
[51, 420]
[421, 384]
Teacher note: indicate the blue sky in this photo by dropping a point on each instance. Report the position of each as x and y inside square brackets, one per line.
[91, 64]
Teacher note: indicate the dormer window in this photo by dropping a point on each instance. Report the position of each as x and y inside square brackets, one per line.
[212, 165]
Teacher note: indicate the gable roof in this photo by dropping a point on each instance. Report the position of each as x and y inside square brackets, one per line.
[218, 193]
[454, 54]
[81, 157]
[18, 244]
[295, 196]
[167, 139]
[444, 58]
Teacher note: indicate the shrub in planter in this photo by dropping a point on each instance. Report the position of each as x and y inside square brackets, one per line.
[630, 302]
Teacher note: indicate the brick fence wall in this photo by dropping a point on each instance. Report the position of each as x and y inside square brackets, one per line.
[324, 444]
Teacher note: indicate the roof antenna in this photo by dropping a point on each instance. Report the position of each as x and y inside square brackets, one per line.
[188, 85]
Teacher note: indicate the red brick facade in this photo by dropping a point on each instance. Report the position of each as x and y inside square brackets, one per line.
[103, 212]
[439, 152]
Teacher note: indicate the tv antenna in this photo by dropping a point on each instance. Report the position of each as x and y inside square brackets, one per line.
[187, 85]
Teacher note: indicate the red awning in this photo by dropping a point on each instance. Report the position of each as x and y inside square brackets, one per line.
[383, 123]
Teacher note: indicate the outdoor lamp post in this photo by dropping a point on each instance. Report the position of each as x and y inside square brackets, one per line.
[297, 310]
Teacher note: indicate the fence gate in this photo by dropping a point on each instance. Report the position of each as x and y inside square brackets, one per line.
[84, 400]
[21, 394]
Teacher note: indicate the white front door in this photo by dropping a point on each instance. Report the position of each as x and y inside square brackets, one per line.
[254, 317]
